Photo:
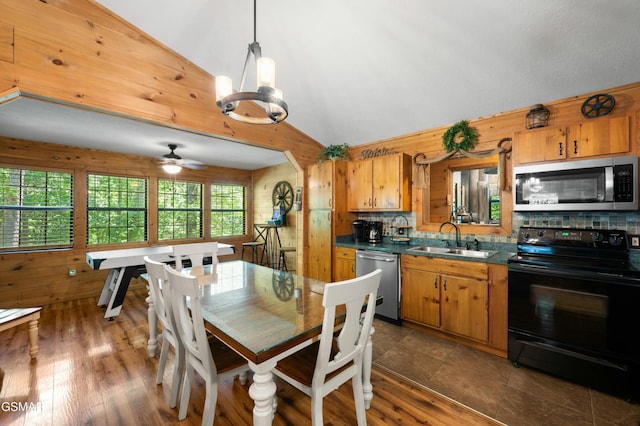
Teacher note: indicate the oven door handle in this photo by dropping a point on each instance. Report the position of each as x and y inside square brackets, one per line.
[516, 266]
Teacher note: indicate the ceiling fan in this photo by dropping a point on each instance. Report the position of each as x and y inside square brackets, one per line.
[172, 163]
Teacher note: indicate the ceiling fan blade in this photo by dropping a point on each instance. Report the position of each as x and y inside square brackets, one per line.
[174, 159]
[193, 165]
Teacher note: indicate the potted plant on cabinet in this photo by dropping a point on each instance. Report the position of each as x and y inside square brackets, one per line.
[334, 152]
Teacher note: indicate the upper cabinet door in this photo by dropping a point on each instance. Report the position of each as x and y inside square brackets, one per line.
[321, 185]
[360, 195]
[380, 184]
[590, 138]
[387, 182]
[600, 136]
[541, 145]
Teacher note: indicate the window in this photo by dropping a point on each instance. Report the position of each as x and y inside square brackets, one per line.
[228, 211]
[36, 207]
[179, 210]
[116, 209]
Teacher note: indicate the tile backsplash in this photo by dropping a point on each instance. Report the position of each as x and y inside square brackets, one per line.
[629, 221]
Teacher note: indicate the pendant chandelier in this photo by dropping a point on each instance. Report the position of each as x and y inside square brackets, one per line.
[274, 108]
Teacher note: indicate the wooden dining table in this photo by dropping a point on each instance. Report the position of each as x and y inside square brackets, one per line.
[265, 315]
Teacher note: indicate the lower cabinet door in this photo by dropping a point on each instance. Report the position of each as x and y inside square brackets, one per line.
[465, 307]
[320, 242]
[420, 296]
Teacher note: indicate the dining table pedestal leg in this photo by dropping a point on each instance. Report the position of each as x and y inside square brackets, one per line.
[263, 391]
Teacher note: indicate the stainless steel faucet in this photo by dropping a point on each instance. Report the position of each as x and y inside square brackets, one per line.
[457, 231]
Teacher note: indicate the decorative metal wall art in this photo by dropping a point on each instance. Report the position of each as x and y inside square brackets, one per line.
[598, 105]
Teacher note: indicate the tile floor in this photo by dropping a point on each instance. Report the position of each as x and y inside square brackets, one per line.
[492, 385]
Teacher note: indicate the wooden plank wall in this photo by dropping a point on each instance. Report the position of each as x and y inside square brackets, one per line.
[264, 181]
[292, 235]
[38, 278]
[491, 129]
[80, 52]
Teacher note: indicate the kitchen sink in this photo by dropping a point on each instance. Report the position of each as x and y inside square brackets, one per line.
[428, 249]
[455, 251]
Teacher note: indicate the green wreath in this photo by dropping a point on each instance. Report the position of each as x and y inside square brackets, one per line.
[469, 137]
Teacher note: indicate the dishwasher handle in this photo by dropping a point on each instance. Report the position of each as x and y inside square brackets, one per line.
[382, 259]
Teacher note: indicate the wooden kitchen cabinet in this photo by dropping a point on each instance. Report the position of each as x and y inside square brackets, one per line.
[450, 295]
[380, 184]
[322, 183]
[590, 138]
[328, 216]
[420, 295]
[344, 264]
[541, 145]
[320, 242]
[464, 306]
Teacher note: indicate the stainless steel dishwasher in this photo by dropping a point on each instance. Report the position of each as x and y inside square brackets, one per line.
[368, 261]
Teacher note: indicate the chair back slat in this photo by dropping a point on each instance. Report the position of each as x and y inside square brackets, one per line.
[187, 311]
[196, 253]
[354, 334]
[158, 287]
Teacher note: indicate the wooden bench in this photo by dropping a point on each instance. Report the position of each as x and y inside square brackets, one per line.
[10, 318]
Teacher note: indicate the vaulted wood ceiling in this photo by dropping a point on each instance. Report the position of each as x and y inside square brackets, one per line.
[359, 71]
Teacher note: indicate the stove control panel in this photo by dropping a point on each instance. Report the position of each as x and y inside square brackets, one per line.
[608, 239]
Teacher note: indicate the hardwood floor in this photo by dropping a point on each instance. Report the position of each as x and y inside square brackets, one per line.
[98, 372]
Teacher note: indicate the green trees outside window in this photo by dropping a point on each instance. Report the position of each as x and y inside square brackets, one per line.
[228, 210]
[179, 210]
[36, 209]
[116, 209]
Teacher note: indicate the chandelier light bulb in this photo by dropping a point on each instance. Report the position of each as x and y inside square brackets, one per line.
[224, 87]
[266, 72]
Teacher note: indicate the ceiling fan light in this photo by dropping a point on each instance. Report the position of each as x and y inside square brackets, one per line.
[266, 72]
[172, 169]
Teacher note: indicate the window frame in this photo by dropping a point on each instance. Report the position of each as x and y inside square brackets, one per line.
[243, 210]
[90, 209]
[22, 169]
[187, 210]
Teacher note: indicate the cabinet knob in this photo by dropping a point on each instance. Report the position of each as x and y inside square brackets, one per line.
[560, 148]
[575, 146]
[435, 283]
[444, 285]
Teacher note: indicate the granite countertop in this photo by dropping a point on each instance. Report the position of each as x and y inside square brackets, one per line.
[504, 251]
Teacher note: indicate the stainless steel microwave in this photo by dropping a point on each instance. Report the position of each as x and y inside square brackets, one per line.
[599, 184]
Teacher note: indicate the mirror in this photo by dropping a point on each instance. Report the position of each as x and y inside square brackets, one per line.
[466, 191]
[476, 196]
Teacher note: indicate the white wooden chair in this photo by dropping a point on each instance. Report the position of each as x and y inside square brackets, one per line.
[196, 253]
[200, 351]
[322, 367]
[160, 297]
